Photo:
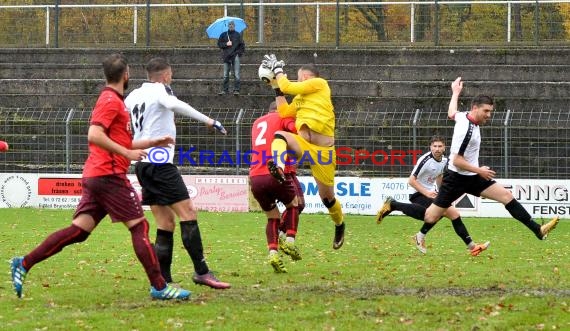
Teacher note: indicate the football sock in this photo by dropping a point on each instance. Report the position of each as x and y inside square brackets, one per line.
[283, 222]
[461, 230]
[411, 209]
[278, 148]
[145, 254]
[291, 221]
[335, 210]
[192, 241]
[426, 227]
[53, 244]
[271, 232]
[163, 247]
[518, 212]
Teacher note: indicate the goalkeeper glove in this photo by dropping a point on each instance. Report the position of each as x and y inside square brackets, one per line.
[218, 126]
[270, 62]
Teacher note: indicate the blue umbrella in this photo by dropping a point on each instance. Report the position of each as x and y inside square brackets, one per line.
[221, 25]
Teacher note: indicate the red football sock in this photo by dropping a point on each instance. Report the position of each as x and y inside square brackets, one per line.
[146, 255]
[53, 244]
[292, 221]
[271, 231]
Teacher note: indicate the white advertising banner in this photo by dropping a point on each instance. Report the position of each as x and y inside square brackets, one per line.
[541, 198]
[63, 191]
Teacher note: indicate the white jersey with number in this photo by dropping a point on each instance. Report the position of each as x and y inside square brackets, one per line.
[149, 118]
[152, 108]
[465, 142]
[427, 169]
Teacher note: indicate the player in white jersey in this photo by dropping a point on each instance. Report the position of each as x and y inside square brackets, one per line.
[152, 108]
[465, 175]
[424, 179]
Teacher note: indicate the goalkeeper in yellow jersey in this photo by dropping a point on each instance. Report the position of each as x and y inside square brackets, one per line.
[314, 142]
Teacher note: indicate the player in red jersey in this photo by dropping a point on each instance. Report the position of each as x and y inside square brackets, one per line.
[105, 186]
[267, 190]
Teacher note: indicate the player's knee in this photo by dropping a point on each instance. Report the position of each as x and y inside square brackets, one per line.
[329, 202]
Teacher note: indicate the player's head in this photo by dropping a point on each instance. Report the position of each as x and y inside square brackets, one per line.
[231, 25]
[273, 106]
[481, 108]
[159, 70]
[116, 69]
[437, 146]
[307, 71]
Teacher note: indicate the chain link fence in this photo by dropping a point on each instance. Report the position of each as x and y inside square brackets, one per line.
[106, 23]
[517, 144]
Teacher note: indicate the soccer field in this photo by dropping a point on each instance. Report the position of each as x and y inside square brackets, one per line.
[376, 281]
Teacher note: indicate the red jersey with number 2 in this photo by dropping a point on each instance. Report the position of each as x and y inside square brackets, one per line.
[262, 133]
[110, 113]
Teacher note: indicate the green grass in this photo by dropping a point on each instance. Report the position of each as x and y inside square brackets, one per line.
[377, 281]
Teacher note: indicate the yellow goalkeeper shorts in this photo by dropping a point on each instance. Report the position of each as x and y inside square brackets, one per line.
[322, 160]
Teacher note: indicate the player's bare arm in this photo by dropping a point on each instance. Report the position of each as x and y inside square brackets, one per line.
[163, 141]
[483, 171]
[413, 181]
[96, 135]
[456, 88]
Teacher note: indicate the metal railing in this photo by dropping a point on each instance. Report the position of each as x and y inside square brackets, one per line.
[340, 23]
[517, 144]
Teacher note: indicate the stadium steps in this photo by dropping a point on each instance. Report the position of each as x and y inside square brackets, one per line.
[353, 72]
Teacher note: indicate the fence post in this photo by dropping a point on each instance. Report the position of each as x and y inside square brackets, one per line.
[238, 135]
[47, 26]
[509, 8]
[415, 129]
[536, 22]
[412, 19]
[68, 140]
[56, 24]
[337, 23]
[506, 142]
[260, 23]
[436, 25]
[135, 25]
[147, 23]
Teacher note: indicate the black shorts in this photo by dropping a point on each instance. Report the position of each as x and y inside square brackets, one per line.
[454, 185]
[420, 199]
[161, 184]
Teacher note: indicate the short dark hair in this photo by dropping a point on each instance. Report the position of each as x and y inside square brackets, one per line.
[481, 100]
[312, 68]
[436, 138]
[114, 66]
[157, 64]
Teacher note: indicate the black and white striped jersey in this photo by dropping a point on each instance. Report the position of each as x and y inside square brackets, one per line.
[427, 169]
[465, 142]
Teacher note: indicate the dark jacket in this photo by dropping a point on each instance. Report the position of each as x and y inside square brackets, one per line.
[237, 48]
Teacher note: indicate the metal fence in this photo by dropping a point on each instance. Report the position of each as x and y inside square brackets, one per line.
[517, 144]
[339, 23]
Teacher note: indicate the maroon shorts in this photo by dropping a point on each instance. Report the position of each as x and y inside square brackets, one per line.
[267, 190]
[113, 195]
